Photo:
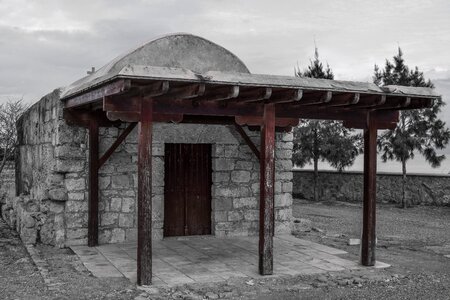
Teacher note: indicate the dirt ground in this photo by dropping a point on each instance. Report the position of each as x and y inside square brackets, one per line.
[414, 241]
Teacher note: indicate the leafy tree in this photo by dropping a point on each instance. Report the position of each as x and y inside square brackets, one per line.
[323, 140]
[418, 130]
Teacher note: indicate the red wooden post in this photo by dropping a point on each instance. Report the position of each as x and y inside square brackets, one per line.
[93, 184]
[267, 189]
[144, 249]
[369, 205]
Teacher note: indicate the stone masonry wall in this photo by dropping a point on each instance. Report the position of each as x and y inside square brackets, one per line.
[52, 206]
[235, 190]
[51, 158]
[422, 189]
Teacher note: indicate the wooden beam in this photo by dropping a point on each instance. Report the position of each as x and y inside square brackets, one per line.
[113, 88]
[83, 117]
[116, 144]
[258, 121]
[381, 119]
[267, 191]
[247, 140]
[93, 184]
[368, 101]
[254, 95]
[316, 98]
[369, 202]
[219, 93]
[129, 116]
[286, 96]
[144, 249]
[183, 92]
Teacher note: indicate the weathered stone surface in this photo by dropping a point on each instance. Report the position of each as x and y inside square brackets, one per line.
[58, 194]
[116, 204]
[120, 181]
[240, 176]
[249, 202]
[126, 220]
[223, 164]
[128, 204]
[235, 179]
[108, 218]
[75, 184]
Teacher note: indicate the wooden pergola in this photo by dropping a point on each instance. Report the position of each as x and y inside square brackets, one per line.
[144, 95]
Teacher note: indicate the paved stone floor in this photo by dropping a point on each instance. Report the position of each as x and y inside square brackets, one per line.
[209, 259]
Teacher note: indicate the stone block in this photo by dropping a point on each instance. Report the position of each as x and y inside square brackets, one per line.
[223, 164]
[75, 184]
[221, 177]
[284, 214]
[231, 150]
[58, 194]
[76, 220]
[283, 154]
[56, 207]
[283, 165]
[235, 191]
[240, 176]
[251, 215]
[283, 200]
[69, 165]
[104, 182]
[248, 202]
[223, 204]
[76, 196]
[54, 179]
[108, 218]
[286, 187]
[126, 220]
[76, 206]
[128, 204]
[121, 181]
[220, 216]
[69, 151]
[244, 165]
[284, 176]
[116, 204]
[234, 216]
[117, 235]
[79, 233]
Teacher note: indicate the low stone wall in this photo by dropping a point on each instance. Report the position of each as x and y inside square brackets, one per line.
[421, 189]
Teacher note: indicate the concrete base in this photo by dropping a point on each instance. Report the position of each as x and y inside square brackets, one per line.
[184, 260]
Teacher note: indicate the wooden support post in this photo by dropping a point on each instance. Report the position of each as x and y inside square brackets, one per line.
[369, 205]
[93, 184]
[267, 190]
[144, 249]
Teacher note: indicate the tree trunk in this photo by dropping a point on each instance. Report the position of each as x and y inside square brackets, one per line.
[316, 179]
[404, 204]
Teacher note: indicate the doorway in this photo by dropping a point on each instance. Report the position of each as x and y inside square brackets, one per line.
[187, 189]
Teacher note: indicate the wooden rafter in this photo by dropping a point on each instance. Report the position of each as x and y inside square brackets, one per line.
[247, 140]
[116, 144]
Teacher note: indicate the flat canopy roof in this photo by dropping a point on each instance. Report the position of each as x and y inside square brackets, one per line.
[188, 75]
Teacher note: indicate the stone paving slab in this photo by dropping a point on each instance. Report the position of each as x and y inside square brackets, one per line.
[198, 259]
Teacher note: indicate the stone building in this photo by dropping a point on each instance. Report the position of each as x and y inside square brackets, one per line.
[212, 153]
[52, 172]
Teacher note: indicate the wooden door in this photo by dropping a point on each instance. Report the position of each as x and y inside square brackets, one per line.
[187, 189]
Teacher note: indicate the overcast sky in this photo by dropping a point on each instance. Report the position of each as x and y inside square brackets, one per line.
[48, 44]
